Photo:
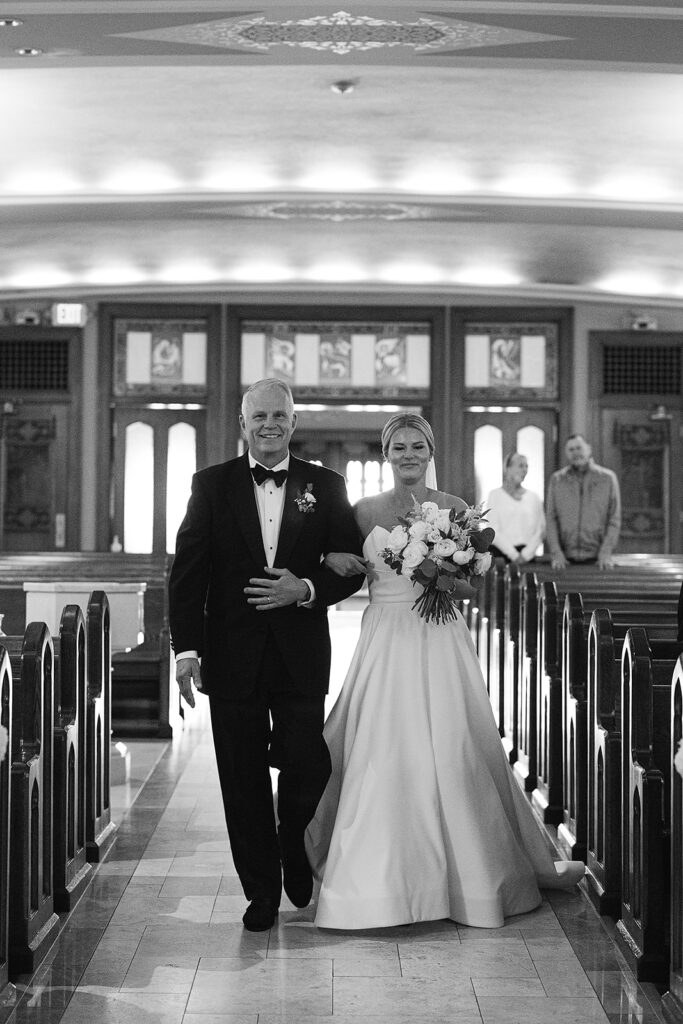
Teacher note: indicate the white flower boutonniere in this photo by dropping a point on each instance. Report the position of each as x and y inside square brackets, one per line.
[306, 499]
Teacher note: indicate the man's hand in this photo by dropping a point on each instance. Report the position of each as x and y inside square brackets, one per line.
[605, 562]
[268, 594]
[346, 564]
[187, 671]
[558, 561]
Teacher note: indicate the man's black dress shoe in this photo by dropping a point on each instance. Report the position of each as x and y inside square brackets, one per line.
[297, 877]
[260, 915]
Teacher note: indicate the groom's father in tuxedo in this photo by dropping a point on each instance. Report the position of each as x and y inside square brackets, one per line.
[248, 601]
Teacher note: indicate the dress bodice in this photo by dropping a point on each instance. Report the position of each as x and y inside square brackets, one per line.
[385, 586]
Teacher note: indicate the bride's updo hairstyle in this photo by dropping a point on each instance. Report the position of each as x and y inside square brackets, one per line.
[400, 421]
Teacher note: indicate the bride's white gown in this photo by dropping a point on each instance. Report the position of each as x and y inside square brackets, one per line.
[422, 818]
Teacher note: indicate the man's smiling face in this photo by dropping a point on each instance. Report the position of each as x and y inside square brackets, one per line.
[268, 421]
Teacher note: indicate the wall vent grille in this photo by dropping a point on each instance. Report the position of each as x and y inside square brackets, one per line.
[35, 365]
[641, 369]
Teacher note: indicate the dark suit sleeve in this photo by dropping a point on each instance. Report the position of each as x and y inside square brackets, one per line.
[343, 535]
[189, 578]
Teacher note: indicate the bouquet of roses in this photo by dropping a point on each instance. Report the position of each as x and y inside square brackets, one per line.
[444, 550]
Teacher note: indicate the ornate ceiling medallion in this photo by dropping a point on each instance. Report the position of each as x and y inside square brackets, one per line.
[341, 33]
[336, 210]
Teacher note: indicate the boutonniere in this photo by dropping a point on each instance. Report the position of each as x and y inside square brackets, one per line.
[306, 499]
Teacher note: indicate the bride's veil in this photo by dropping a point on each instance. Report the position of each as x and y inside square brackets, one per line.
[430, 475]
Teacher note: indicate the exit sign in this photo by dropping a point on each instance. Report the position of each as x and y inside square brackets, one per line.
[69, 314]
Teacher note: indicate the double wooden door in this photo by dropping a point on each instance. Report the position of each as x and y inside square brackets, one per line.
[491, 434]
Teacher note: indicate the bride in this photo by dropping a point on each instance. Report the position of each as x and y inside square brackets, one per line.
[422, 818]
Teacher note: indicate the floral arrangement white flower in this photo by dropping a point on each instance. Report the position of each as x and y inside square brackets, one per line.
[678, 759]
[444, 550]
[306, 499]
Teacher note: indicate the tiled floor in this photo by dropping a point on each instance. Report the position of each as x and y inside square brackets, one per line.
[158, 937]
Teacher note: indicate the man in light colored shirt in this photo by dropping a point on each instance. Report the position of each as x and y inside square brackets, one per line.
[583, 510]
[248, 598]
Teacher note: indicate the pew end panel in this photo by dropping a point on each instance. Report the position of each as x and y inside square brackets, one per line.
[100, 829]
[642, 930]
[6, 988]
[603, 855]
[72, 871]
[511, 643]
[547, 797]
[573, 829]
[526, 764]
[34, 925]
[672, 1001]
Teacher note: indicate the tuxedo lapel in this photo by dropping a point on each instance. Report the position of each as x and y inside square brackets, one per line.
[240, 495]
[292, 519]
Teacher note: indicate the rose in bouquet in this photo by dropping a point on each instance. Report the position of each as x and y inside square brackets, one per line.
[444, 550]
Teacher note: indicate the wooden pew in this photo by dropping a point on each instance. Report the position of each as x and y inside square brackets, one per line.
[497, 645]
[512, 625]
[672, 1001]
[572, 830]
[485, 601]
[34, 925]
[526, 763]
[100, 830]
[547, 797]
[72, 872]
[646, 776]
[6, 989]
[145, 696]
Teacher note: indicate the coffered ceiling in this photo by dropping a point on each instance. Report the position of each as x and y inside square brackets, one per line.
[526, 148]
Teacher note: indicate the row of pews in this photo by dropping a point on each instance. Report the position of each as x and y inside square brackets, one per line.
[145, 701]
[585, 677]
[55, 820]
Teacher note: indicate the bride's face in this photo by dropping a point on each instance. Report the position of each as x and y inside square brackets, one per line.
[408, 455]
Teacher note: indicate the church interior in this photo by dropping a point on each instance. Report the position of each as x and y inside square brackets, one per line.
[471, 210]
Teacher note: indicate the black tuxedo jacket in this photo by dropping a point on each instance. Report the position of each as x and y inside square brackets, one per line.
[220, 548]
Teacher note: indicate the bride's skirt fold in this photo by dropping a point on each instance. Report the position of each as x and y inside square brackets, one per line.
[422, 818]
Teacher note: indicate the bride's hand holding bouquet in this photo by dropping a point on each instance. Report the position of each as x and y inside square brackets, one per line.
[444, 550]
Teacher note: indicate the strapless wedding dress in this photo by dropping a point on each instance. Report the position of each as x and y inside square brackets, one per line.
[422, 818]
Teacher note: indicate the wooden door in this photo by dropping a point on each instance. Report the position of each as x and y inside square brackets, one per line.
[151, 483]
[39, 484]
[491, 434]
[639, 445]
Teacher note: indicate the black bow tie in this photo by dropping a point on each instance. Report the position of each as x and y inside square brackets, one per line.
[261, 474]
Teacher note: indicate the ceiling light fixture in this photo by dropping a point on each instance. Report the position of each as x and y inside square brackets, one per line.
[29, 51]
[10, 22]
[344, 86]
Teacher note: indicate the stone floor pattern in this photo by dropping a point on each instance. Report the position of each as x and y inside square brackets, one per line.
[158, 939]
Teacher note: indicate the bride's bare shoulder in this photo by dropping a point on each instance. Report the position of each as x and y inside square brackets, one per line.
[445, 500]
[370, 512]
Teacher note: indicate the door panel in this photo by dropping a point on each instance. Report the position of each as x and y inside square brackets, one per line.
[490, 435]
[638, 448]
[37, 512]
[357, 457]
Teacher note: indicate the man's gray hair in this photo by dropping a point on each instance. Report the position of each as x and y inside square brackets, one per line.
[268, 382]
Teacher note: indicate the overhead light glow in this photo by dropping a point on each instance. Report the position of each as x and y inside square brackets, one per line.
[437, 180]
[141, 178]
[335, 272]
[40, 182]
[630, 282]
[486, 277]
[534, 181]
[193, 272]
[40, 277]
[633, 188]
[237, 179]
[261, 272]
[114, 275]
[337, 178]
[410, 273]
